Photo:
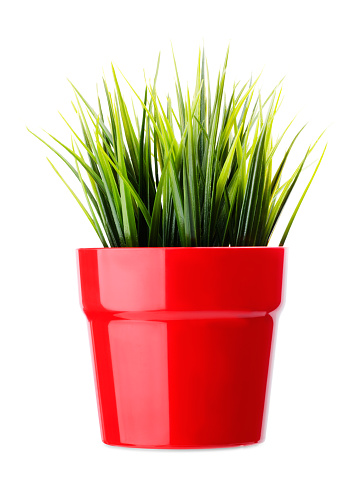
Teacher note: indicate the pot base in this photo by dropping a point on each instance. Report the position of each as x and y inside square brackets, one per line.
[193, 383]
[174, 447]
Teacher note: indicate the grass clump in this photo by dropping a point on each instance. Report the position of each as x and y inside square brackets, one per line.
[198, 174]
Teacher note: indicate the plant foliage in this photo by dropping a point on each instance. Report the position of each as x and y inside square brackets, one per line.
[195, 174]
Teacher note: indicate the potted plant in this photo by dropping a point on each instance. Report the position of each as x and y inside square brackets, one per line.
[183, 298]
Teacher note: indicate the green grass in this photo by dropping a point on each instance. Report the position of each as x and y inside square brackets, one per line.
[198, 172]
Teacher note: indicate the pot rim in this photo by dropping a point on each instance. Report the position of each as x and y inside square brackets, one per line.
[181, 248]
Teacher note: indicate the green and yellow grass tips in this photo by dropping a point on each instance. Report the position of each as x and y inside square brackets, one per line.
[198, 174]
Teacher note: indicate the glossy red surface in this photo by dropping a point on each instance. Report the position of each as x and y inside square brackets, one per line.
[181, 341]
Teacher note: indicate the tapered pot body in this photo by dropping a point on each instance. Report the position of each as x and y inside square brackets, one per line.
[181, 341]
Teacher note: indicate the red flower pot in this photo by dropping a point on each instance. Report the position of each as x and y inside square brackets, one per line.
[181, 340]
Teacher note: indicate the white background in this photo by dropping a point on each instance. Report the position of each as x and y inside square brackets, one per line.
[48, 417]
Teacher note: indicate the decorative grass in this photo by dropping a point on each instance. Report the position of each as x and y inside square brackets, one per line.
[198, 176]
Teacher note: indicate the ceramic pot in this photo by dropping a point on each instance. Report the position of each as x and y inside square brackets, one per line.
[182, 341]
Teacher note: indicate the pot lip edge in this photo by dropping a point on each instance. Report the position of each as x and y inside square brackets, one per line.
[183, 248]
